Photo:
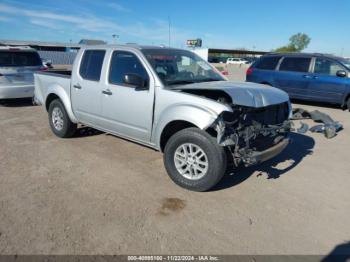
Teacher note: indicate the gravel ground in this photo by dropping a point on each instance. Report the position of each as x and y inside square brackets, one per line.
[98, 194]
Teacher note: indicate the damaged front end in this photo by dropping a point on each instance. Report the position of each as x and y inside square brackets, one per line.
[254, 135]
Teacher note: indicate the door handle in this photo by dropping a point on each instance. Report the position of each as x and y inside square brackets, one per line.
[307, 76]
[107, 92]
[315, 77]
[77, 86]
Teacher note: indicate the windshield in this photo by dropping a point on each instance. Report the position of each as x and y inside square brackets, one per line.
[175, 67]
[17, 58]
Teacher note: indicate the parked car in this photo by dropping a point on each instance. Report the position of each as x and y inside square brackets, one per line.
[170, 100]
[213, 60]
[236, 61]
[314, 77]
[17, 65]
[222, 60]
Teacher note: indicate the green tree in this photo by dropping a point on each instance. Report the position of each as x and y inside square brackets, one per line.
[297, 43]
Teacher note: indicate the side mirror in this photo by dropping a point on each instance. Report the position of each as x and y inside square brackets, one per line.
[134, 80]
[341, 73]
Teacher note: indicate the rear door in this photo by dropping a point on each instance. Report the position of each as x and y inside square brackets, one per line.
[87, 86]
[294, 76]
[325, 85]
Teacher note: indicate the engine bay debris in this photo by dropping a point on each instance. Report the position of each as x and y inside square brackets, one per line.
[251, 134]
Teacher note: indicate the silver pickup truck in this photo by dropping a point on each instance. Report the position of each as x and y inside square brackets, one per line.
[170, 100]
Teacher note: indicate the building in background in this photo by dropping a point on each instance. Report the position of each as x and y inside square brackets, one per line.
[64, 53]
[56, 52]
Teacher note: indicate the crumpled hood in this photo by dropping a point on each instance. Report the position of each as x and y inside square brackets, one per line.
[243, 93]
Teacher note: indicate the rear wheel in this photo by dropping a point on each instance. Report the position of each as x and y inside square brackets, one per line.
[348, 103]
[59, 120]
[194, 160]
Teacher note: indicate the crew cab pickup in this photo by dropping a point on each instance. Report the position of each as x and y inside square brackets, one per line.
[170, 100]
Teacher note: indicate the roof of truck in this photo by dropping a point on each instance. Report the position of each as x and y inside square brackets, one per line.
[131, 45]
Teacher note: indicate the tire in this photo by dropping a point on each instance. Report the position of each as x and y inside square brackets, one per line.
[348, 103]
[192, 178]
[59, 120]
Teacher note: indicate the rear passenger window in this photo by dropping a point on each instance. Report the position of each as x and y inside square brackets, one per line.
[267, 63]
[123, 63]
[295, 64]
[91, 64]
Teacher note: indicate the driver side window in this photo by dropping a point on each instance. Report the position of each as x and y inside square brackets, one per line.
[326, 67]
[123, 63]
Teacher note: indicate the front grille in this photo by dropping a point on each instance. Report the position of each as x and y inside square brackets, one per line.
[266, 116]
[269, 115]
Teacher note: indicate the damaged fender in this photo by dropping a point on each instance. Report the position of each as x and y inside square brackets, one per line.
[199, 116]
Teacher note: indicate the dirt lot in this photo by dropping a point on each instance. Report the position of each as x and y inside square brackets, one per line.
[98, 194]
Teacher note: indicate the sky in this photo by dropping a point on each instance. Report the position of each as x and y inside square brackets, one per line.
[254, 24]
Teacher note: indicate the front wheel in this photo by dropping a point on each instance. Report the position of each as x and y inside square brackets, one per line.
[194, 160]
[59, 120]
[348, 104]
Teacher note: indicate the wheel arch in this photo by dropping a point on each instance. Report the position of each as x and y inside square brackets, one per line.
[172, 128]
[346, 99]
[179, 117]
[58, 93]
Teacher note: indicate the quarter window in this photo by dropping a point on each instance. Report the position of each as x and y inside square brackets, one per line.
[295, 64]
[327, 67]
[91, 64]
[268, 63]
[123, 63]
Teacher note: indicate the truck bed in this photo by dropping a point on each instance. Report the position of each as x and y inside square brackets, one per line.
[57, 72]
[47, 81]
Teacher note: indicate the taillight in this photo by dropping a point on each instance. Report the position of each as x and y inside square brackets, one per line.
[43, 68]
[249, 71]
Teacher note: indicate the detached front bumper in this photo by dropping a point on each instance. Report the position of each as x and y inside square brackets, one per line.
[256, 157]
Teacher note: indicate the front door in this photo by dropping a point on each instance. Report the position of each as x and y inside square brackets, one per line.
[128, 110]
[86, 88]
[325, 85]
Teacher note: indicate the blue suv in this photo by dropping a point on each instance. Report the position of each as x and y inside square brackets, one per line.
[313, 77]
